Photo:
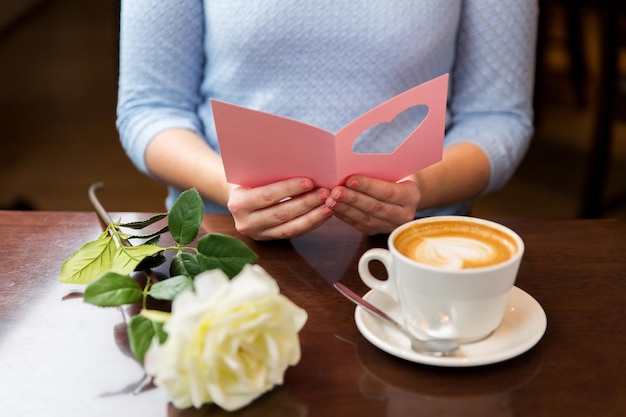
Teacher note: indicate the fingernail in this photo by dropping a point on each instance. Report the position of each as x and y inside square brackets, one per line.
[353, 183]
[306, 186]
[338, 195]
[323, 196]
[327, 211]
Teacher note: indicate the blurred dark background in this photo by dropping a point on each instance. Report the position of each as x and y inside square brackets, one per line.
[58, 86]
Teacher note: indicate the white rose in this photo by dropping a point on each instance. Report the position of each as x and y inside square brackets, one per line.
[228, 342]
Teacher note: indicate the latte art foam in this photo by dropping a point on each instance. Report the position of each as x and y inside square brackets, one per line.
[453, 252]
[455, 244]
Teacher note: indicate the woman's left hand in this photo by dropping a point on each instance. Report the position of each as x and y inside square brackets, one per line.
[374, 206]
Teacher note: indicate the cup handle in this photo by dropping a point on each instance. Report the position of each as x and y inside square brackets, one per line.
[383, 256]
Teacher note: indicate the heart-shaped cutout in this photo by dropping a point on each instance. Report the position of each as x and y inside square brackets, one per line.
[386, 137]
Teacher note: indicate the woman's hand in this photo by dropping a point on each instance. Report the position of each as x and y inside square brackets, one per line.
[281, 210]
[374, 206]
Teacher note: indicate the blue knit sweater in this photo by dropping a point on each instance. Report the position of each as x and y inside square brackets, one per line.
[326, 62]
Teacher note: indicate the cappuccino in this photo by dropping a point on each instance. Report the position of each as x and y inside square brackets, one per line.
[455, 244]
[451, 275]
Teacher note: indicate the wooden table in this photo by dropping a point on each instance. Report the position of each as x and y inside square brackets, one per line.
[61, 357]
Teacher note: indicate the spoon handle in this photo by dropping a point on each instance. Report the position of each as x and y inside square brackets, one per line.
[431, 347]
[360, 301]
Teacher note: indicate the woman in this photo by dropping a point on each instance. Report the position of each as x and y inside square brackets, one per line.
[325, 63]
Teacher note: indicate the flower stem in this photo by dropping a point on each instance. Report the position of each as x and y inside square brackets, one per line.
[102, 213]
[104, 216]
[146, 290]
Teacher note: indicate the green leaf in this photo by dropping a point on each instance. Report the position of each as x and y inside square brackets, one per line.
[141, 331]
[112, 290]
[150, 262]
[169, 288]
[144, 223]
[159, 331]
[185, 264]
[127, 258]
[218, 251]
[185, 217]
[148, 235]
[88, 262]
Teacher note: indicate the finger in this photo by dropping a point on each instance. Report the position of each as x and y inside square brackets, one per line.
[361, 220]
[344, 200]
[366, 212]
[359, 210]
[296, 227]
[252, 199]
[380, 190]
[258, 223]
[287, 209]
[382, 198]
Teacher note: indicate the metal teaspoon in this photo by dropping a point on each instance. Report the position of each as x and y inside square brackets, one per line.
[428, 347]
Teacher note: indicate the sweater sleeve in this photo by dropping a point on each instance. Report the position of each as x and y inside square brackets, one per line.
[492, 82]
[161, 66]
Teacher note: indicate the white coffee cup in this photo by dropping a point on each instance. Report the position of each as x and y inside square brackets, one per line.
[451, 275]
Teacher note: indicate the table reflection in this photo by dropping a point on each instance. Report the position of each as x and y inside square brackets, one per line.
[277, 402]
[330, 250]
[406, 387]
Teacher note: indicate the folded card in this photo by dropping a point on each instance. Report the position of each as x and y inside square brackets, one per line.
[260, 148]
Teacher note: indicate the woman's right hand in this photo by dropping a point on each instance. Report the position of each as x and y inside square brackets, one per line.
[282, 210]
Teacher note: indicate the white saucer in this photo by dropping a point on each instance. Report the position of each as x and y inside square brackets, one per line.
[523, 326]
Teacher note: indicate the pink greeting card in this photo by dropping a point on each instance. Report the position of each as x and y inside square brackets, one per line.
[260, 148]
